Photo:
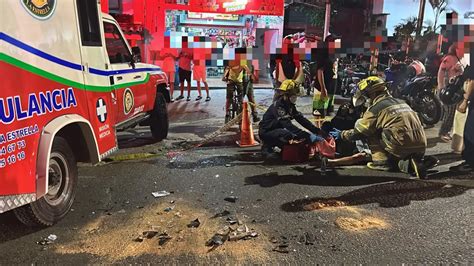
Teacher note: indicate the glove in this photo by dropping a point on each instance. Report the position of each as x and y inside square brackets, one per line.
[315, 138]
[335, 133]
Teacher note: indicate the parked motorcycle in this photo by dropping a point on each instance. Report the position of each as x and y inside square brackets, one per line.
[418, 91]
[309, 74]
[351, 75]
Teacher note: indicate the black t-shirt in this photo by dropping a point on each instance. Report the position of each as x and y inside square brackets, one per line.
[326, 63]
[289, 67]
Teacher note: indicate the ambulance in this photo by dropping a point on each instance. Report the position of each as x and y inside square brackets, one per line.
[69, 81]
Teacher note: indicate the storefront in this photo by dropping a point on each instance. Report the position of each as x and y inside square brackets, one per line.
[228, 23]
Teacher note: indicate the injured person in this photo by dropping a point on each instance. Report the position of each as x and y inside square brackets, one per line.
[394, 134]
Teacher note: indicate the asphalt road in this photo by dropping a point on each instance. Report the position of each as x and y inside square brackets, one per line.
[348, 215]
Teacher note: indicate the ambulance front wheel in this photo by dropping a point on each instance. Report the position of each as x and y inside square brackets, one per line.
[159, 118]
[62, 183]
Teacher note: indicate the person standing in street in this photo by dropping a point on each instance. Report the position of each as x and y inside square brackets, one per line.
[200, 74]
[468, 102]
[169, 56]
[326, 78]
[450, 67]
[185, 59]
[248, 90]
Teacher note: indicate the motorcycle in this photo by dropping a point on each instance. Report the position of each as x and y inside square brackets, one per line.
[309, 74]
[418, 91]
[351, 75]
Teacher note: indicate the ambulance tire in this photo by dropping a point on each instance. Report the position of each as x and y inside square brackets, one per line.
[159, 123]
[53, 207]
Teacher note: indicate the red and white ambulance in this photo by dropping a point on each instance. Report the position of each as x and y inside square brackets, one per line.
[68, 82]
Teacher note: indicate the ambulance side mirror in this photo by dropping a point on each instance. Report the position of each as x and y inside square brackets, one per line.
[137, 55]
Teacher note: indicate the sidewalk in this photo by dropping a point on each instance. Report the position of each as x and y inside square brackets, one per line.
[217, 83]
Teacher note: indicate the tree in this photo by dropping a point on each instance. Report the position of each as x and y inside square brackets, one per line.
[405, 29]
[439, 7]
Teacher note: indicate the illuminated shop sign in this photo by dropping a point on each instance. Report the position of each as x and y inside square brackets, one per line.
[241, 7]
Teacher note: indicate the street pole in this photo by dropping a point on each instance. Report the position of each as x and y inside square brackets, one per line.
[327, 19]
[421, 15]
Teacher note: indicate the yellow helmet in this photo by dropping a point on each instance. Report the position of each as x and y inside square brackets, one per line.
[289, 86]
[370, 85]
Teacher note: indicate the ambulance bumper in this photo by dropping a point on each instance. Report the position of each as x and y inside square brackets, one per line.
[11, 202]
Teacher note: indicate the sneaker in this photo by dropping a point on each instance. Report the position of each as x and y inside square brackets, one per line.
[208, 98]
[172, 100]
[418, 169]
[269, 153]
[463, 168]
[430, 162]
[377, 166]
[180, 97]
[198, 98]
[188, 99]
[446, 138]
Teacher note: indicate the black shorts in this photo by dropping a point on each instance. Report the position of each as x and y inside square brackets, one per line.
[184, 75]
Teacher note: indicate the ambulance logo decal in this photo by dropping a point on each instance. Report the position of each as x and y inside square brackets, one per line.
[101, 109]
[128, 101]
[40, 9]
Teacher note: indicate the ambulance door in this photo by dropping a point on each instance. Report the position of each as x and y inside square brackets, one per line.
[100, 93]
[128, 81]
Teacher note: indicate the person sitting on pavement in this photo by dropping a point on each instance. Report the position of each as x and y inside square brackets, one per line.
[394, 132]
[276, 128]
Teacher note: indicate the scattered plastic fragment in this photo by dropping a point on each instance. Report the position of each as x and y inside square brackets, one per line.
[194, 224]
[47, 240]
[232, 199]
[160, 194]
[163, 239]
[221, 214]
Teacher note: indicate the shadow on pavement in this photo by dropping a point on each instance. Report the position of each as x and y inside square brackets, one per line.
[311, 176]
[11, 228]
[388, 195]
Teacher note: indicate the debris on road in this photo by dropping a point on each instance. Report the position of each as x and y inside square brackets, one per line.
[164, 238]
[221, 214]
[282, 248]
[242, 233]
[228, 165]
[47, 240]
[307, 239]
[232, 199]
[232, 220]
[194, 224]
[146, 235]
[168, 209]
[219, 237]
[161, 194]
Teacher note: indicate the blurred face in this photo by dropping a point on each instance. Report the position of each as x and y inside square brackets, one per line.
[293, 99]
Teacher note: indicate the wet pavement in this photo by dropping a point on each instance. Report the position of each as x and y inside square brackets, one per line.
[257, 212]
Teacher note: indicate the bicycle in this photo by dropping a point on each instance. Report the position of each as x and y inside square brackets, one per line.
[235, 107]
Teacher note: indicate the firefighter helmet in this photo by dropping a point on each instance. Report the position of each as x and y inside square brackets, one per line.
[366, 87]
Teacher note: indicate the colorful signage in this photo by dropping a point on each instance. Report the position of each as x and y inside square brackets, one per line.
[242, 7]
[216, 16]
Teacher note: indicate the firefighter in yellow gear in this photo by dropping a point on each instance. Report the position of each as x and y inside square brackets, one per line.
[392, 130]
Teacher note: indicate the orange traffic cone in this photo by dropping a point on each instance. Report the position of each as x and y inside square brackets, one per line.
[246, 132]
